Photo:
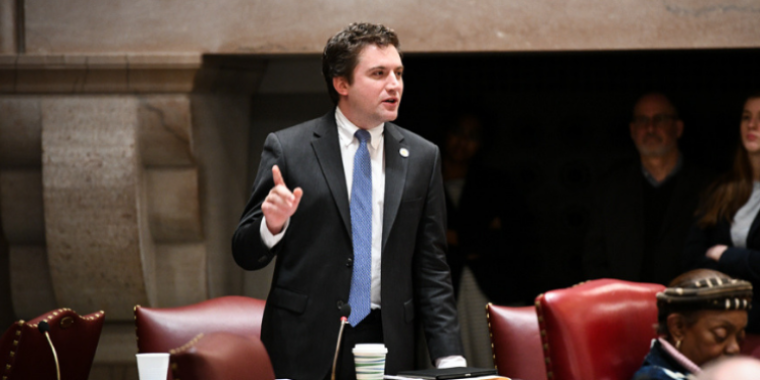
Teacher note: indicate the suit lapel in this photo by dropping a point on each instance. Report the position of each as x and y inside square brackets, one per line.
[753, 231]
[395, 177]
[327, 149]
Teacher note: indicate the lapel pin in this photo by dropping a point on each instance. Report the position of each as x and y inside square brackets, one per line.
[403, 152]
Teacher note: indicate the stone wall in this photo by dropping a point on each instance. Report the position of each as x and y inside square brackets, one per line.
[294, 26]
[120, 184]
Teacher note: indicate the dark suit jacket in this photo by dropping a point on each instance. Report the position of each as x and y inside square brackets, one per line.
[614, 245]
[313, 269]
[743, 263]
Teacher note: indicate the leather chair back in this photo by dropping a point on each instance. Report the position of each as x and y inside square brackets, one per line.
[600, 329]
[25, 352]
[516, 342]
[160, 330]
[221, 356]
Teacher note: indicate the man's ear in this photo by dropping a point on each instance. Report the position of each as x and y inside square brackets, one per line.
[679, 128]
[341, 85]
[676, 326]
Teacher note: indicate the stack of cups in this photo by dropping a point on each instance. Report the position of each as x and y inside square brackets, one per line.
[370, 361]
[153, 366]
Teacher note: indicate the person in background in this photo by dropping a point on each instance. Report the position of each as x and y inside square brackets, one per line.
[488, 229]
[643, 210]
[726, 235]
[701, 317]
[488, 225]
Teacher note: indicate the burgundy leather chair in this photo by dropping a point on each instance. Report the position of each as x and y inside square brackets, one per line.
[516, 342]
[163, 329]
[25, 352]
[221, 355]
[600, 329]
[177, 330]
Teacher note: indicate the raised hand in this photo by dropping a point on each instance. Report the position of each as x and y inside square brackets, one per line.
[281, 203]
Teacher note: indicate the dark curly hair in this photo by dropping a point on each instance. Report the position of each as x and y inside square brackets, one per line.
[341, 54]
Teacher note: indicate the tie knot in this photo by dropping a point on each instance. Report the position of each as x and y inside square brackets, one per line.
[363, 136]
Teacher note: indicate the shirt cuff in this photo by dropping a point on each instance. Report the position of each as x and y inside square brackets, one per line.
[266, 235]
[451, 362]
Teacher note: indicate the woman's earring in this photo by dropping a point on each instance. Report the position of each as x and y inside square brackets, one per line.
[678, 344]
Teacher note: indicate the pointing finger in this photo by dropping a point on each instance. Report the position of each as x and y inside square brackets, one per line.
[277, 175]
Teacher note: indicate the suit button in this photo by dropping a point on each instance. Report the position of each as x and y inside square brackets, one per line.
[340, 305]
[349, 262]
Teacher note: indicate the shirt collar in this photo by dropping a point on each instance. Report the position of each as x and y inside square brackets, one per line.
[347, 129]
[679, 357]
[652, 181]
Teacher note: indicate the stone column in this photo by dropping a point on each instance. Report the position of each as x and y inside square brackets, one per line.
[100, 250]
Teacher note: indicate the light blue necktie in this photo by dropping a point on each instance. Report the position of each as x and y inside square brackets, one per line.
[361, 229]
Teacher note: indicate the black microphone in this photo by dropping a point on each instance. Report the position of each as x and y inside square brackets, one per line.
[345, 311]
[44, 328]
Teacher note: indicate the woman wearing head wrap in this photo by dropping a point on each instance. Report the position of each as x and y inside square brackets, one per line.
[701, 316]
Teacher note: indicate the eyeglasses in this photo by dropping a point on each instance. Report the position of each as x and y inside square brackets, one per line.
[658, 121]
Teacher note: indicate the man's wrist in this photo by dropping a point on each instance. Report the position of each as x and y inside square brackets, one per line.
[274, 230]
[270, 239]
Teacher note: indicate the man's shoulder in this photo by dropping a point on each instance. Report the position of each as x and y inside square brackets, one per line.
[306, 127]
[409, 137]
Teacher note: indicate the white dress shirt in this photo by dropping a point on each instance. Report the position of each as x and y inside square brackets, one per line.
[744, 218]
[348, 146]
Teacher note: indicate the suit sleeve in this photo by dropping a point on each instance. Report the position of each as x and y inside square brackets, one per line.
[248, 249]
[736, 262]
[433, 289]
[743, 263]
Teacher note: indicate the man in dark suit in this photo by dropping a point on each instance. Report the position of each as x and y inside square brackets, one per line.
[643, 210]
[364, 223]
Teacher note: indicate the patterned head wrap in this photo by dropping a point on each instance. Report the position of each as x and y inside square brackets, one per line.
[713, 293]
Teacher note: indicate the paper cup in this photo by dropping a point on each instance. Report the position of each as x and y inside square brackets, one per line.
[153, 366]
[369, 360]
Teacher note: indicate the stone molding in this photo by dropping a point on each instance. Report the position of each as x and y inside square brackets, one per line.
[103, 73]
[292, 26]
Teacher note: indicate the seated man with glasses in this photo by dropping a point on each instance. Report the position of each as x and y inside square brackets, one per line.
[643, 210]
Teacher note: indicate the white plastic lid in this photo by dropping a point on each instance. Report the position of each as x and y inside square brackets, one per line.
[370, 348]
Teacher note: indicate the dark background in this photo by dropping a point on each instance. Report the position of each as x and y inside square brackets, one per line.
[558, 121]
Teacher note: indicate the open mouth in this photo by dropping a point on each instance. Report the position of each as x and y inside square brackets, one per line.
[390, 101]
